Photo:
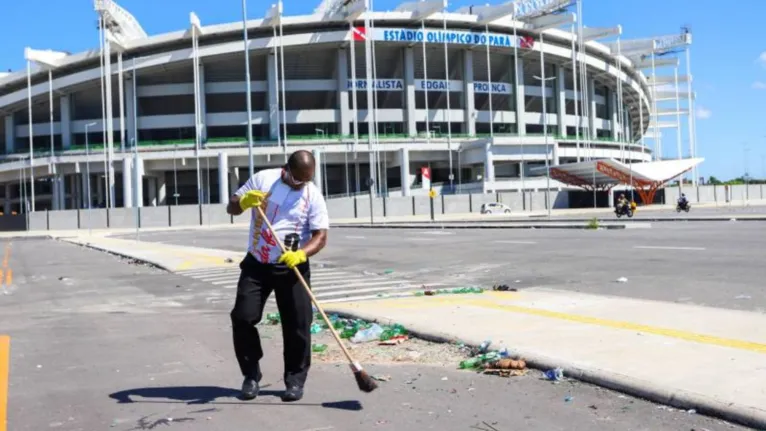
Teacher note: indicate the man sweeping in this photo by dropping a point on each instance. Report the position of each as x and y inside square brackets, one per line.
[298, 212]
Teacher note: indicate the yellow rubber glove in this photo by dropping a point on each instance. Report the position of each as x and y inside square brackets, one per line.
[251, 199]
[293, 258]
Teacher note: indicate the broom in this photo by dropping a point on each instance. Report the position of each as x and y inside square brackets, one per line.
[363, 380]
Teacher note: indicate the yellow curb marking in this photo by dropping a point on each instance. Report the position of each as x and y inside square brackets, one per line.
[5, 348]
[435, 302]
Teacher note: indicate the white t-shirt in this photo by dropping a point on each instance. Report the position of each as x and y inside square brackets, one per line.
[289, 211]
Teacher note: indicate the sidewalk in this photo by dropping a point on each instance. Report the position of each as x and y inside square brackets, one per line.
[686, 356]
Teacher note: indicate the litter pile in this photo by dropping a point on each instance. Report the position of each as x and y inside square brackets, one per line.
[498, 362]
[355, 330]
[455, 291]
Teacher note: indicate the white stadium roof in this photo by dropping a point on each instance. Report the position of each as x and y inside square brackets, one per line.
[607, 173]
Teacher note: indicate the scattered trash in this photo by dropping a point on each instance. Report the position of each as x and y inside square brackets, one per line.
[388, 271]
[568, 399]
[39, 366]
[743, 297]
[229, 260]
[593, 407]
[622, 280]
[517, 281]
[556, 374]
[318, 348]
[370, 334]
[691, 411]
[393, 341]
[62, 278]
[445, 378]
[504, 288]
[484, 346]
[733, 219]
[315, 328]
[273, 318]
[382, 378]
[365, 272]
[457, 291]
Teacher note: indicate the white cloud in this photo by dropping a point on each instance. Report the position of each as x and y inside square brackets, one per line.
[759, 85]
[703, 113]
[762, 58]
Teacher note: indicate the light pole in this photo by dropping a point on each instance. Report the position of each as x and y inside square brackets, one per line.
[745, 152]
[543, 87]
[247, 90]
[323, 163]
[87, 173]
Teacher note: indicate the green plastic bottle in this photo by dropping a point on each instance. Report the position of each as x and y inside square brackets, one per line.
[470, 363]
[318, 348]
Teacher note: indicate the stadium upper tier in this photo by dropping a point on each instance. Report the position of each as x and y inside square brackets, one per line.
[476, 87]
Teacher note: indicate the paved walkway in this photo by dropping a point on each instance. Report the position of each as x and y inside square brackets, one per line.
[707, 359]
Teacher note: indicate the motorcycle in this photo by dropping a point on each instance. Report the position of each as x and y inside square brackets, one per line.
[623, 210]
[683, 207]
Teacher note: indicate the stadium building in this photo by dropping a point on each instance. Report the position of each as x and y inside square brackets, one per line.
[473, 100]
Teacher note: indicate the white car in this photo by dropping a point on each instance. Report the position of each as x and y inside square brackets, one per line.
[495, 208]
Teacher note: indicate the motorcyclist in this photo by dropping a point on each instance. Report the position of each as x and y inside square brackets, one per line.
[682, 201]
[621, 201]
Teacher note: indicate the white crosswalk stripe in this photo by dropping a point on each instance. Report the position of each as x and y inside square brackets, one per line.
[328, 284]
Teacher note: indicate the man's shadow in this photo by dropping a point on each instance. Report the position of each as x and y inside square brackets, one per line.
[209, 394]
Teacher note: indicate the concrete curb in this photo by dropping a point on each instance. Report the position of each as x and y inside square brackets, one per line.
[621, 383]
[474, 225]
[146, 261]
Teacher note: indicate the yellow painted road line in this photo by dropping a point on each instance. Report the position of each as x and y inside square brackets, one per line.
[5, 350]
[470, 300]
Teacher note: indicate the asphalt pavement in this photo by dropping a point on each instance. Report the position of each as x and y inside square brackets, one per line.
[717, 264]
[98, 342]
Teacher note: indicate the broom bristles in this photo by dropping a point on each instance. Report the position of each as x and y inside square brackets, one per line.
[363, 380]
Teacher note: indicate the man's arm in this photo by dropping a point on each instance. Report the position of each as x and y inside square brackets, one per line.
[233, 207]
[317, 242]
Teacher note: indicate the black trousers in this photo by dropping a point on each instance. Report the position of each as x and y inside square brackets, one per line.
[256, 282]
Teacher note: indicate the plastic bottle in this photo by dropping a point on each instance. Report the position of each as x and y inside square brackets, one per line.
[318, 348]
[370, 334]
[470, 363]
[316, 328]
[273, 318]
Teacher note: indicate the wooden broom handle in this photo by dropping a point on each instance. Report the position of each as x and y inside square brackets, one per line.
[308, 289]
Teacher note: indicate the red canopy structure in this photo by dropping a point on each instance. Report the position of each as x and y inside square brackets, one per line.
[645, 178]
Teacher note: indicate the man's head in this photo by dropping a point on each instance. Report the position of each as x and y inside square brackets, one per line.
[299, 169]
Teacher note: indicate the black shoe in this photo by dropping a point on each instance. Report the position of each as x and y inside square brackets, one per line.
[249, 388]
[293, 393]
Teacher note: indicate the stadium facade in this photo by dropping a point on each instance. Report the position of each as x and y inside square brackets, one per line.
[455, 96]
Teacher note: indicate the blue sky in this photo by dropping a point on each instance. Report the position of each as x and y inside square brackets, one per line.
[729, 67]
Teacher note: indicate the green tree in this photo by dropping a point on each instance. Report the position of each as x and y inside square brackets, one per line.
[713, 180]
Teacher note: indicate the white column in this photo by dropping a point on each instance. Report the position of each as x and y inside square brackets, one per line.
[138, 171]
[404, 157]
[202, 104]
[615, 129]
[318, 171]
[10, 134]
[468, 99]
[223, 178]
[65, 103]
[489, 166]
[62, 191]
[162, 190]
[130, 101]
[272, 91]
[409, 88]
[592, 109]
[127, 182]
[56, 193]
[342, 75]
[561, 91]
[521, 124]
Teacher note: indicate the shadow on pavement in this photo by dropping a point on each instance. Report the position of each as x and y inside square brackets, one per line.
[211, 394]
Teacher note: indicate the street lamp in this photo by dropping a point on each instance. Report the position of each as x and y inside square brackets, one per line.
[543, 80]
[251, 168]
[87, 172]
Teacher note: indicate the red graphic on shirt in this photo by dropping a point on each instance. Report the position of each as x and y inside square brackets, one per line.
[268, 237]
[264, 253]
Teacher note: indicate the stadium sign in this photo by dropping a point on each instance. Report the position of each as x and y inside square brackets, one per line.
[379, 84]
[497, 87]
[438, 85]
[456, 37]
